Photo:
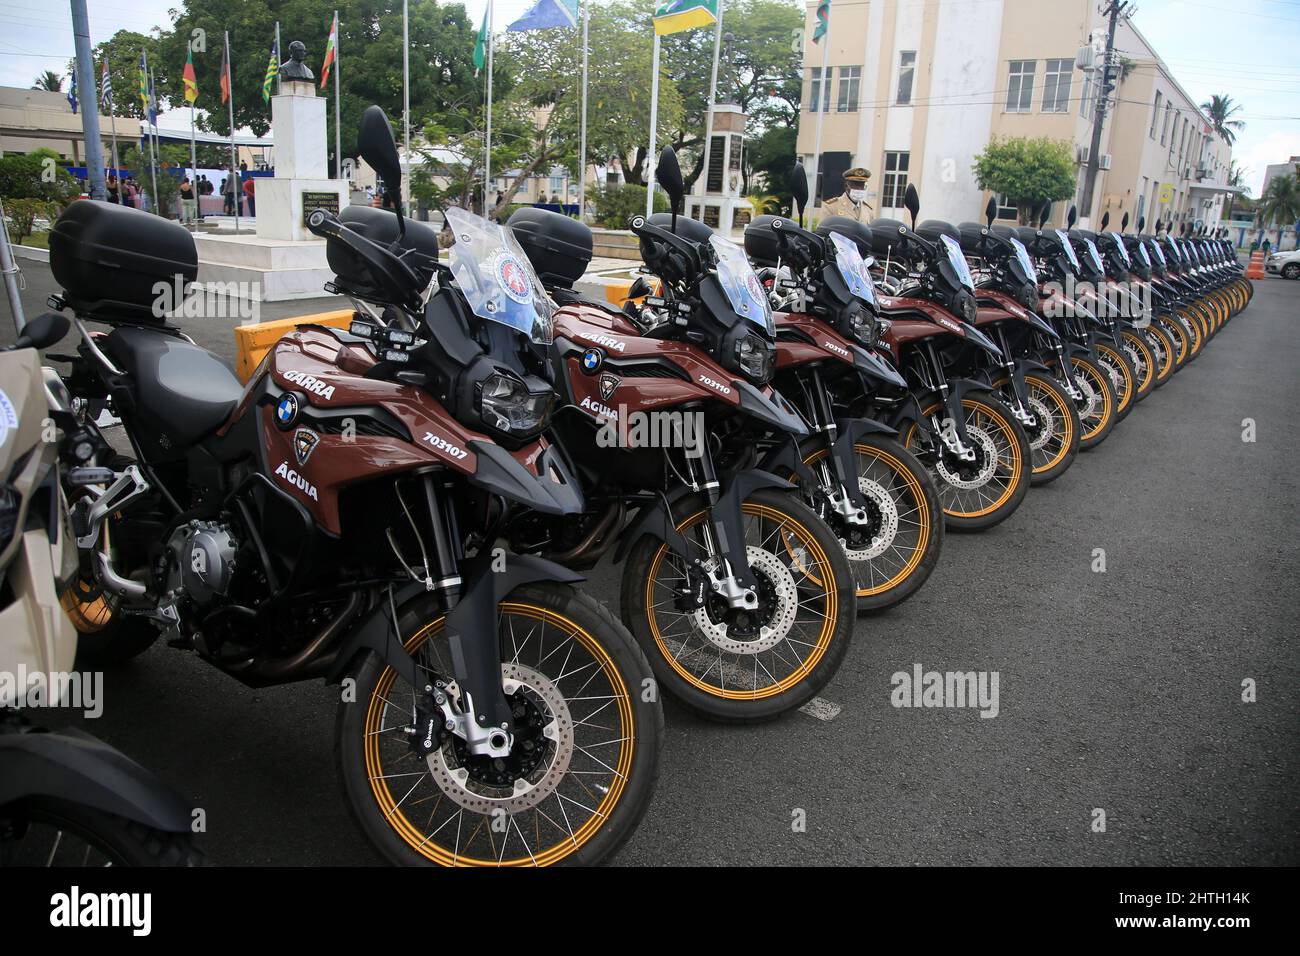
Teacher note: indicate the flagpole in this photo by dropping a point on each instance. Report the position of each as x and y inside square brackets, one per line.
[279, 83]
[112, 121]
[194, 168]
[406, 105]
[654, 121]
[230, 112]
[338, 130]
[487, 141]
[582, 126]
[148, 135]
[823, 97]
[712, 102]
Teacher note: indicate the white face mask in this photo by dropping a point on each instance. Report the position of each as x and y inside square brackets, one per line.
[857, 195]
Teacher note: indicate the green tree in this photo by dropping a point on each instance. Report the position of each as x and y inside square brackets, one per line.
[1280, 202]
[49, 81]
[771, 158]
[123, 51]
[1029, 172]
[1220, 109]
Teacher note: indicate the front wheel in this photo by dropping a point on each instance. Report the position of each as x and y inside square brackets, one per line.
[980, 492]
[731, 664]
[45, 831]
[1054, 436]
[894, 551]
[588, 731]
[1124, 383]
[1140, 356]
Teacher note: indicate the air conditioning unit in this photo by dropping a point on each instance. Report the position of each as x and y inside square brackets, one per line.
[1085, 59]
[1083, 153]
[1103, 161]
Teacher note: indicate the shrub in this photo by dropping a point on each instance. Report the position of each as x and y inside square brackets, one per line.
[33, 177]
[615, 205]
[23, 213]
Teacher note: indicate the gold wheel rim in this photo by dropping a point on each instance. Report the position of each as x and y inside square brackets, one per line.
[1122, 401]
[424, 844]
[816, 648]
[1148, 360]
[1013, 448]
[1062, 412]
[923, 520]
[1098, 385]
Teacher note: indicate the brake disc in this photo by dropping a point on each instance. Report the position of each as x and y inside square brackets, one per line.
[1047, 423]
[781, 610]
[988, 466]
[888, 530]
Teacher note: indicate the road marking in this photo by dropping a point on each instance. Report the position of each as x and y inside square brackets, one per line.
[821, 708]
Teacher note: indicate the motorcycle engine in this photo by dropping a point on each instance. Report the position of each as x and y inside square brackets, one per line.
[204, 560]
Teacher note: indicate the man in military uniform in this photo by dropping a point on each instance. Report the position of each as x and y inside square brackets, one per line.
[853, 201]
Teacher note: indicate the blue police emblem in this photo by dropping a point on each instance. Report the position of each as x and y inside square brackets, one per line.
[286, 412]
[592, 360]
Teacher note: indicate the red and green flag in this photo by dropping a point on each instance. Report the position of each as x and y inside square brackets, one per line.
[225, 73]
[823, 20]
[330, 47]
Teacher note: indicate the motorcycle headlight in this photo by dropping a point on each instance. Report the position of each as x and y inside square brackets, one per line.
[1028, 296]
[756, 358]
[517, 407]
[963, 306]
[862, 323]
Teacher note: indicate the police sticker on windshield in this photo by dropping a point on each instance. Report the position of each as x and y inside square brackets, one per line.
[513, 278]
[8, 417]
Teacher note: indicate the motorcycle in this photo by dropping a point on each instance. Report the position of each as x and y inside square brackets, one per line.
[950, 415]
[740, 595]
[878, 498]
[66, 798]
[341, 517]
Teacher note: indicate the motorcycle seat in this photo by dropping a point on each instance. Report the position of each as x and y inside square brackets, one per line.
[186, 390]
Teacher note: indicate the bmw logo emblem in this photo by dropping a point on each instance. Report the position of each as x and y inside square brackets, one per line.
[592, 359]
[286, 412]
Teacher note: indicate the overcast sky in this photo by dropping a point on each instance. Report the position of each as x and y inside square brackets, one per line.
[1249, 49]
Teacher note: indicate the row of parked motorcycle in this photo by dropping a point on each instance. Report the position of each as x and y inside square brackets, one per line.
[769, 440]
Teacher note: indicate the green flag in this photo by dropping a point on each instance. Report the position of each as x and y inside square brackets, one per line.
[672, 16]
[480, 48]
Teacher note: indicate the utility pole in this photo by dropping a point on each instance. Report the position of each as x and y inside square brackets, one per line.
[1115, 9]
[90, 105]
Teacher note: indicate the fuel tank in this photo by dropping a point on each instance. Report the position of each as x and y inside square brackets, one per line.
[914, 319]
[802, 338]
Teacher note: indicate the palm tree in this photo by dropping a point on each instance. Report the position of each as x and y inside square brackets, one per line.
[1236, 177]
[49, 81]
[1280, 203]
[1220, 109]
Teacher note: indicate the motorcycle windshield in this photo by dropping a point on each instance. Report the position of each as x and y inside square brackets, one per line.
[1069, 249]
[496, 278]
[1119, 247]
[958, 261]
[853, 269]
[1022, 256]
[1142, 254]
[741, 285]
[1094, 256]
[1159, 254]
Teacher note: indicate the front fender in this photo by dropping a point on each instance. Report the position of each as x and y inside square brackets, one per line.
[73, 765]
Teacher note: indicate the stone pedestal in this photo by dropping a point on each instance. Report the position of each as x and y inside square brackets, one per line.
[301, 166]
[716, 199]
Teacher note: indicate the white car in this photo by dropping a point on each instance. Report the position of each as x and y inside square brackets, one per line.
[1285, 264]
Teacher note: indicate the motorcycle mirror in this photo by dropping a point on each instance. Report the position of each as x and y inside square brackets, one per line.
[1044, 214]
[1105, 221]
[1072, 217]
[377, 147]
[668, 173]
[43, 331]
[640, 288]
[1142, 223]
[799, 189]
[1123, 223]
[912, 200]
[991, 210]
[1156, 228]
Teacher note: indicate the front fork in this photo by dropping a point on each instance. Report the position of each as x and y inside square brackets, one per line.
[1019, 389]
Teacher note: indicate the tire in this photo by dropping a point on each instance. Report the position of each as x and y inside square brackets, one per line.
[1181, 338]
[1122, 379]
[1143, 362]
[1194, 330]
[371, 747]
[1000, 432]
[1097, 407]
[98, 838]
[797, 556]
[1053, 448]
[1162, 350]
[1291, 270]
[901, 494]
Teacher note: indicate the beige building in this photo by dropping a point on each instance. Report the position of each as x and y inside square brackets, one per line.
[916, 89]
[32, 119]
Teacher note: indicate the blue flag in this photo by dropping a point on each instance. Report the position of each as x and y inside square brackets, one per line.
[72, 93]
[545, 15]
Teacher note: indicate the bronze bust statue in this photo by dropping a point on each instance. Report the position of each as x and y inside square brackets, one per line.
[294, 68]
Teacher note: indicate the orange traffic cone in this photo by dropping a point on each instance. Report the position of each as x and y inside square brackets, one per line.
[1256, 268]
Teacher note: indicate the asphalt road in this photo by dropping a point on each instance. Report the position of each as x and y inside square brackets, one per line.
[1119, 691]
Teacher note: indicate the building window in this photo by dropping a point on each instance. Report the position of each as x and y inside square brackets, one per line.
[817, 90]
[1164, 125]
[1007, 209]
[850, 81]
[906, 71]
[1155, 114]
[1020, 86]
[894, 184]
[1085, 101]
[1056, 86]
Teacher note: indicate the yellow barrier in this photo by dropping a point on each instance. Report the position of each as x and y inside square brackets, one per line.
[252, 342]
[616, 292]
